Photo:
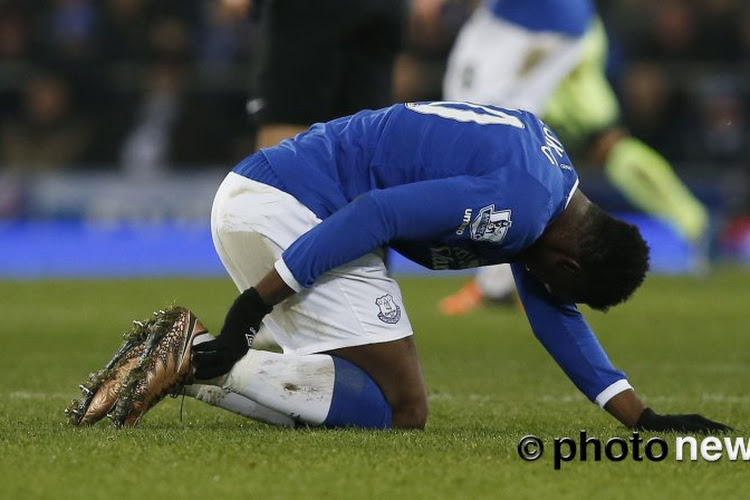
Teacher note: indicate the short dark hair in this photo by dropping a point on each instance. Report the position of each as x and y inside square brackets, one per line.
[614, 258]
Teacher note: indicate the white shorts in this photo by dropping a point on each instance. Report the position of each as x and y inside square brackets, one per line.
[500, 63]
[355, 304]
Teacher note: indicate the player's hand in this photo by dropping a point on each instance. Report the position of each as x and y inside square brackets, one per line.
[652, 421]
[216, 357]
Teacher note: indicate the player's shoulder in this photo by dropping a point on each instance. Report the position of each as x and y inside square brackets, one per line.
[494, 134]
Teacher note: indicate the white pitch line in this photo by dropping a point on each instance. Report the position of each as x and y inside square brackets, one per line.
[39, 396]
[723, 398]
[579, 398]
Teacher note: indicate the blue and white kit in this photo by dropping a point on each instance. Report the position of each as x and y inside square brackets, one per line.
[449, 185]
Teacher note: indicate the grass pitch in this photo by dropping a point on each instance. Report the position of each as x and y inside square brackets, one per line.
[685, 345]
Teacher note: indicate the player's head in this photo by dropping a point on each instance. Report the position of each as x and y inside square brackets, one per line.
[614, 258]
[592, 258]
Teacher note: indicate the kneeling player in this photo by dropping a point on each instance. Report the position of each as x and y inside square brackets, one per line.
[300, 228]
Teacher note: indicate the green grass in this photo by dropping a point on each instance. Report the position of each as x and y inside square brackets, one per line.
[684, 344]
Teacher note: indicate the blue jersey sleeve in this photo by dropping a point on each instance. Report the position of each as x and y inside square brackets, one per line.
[563, 331]
[425, 209]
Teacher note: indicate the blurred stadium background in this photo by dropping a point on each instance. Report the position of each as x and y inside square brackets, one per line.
[119, 118]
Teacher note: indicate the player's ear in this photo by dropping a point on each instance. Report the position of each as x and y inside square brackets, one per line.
[569, 265]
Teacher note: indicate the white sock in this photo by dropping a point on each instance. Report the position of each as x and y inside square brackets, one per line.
[300, 387]
[495, 281]
[236, 403]
[211, 392]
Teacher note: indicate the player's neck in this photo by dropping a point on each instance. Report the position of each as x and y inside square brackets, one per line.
[563, 234]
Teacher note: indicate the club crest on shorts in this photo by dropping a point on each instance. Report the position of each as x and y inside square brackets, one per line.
[390, 312]
[491, 225]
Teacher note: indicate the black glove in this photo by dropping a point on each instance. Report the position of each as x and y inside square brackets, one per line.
[651, 421]
[216, 357]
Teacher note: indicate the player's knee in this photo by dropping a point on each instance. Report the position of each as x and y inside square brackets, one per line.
[410, 415]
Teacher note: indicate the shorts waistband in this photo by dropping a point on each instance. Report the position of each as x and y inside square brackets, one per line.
[257, 167]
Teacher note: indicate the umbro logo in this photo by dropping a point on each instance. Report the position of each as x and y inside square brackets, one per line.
[464, 222]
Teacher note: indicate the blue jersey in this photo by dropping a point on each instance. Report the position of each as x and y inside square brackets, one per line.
[569, 17]
[449, 185]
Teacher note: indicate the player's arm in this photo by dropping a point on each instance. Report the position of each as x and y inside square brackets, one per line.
[566, 335]
[563, 331]
[416, 211]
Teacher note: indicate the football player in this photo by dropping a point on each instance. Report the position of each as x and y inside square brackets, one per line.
[300, 228]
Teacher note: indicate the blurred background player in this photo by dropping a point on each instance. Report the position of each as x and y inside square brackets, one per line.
[323, 59]
[548, 56]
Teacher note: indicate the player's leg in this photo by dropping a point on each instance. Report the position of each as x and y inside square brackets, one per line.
[372, 386]
[236, 403]
[355, 312]
[491, 285]
[585, 106]
[649, 182]
[369, 375]
[496, 282]
[395, 367]
[352, 306]
[484, 61]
